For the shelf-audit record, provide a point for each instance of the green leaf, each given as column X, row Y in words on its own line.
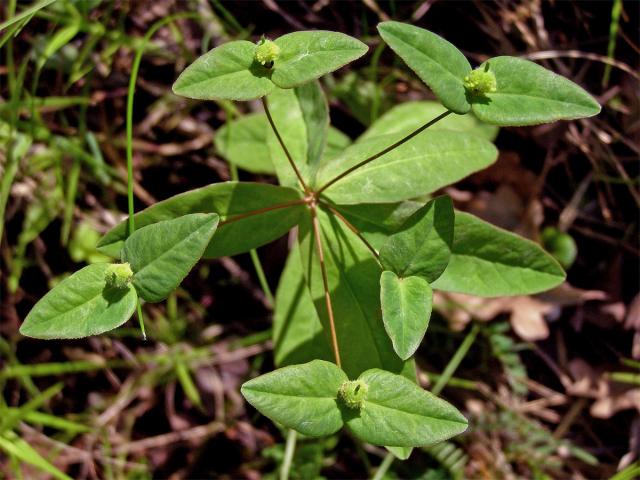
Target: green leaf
column 163, row 253
column 301, row 115
column 226, row 72
column 422, row 247
column 401, row 453
column 80, row 306
column 308, row 55
column 377, row 221
column 353, row 276
column 436, row 61
column 406, row 310
column 409, row 116
column 528, row 94
column 428, row 162
column 490, row 262
column 302, row 397
column 336, row 143
column 397, row 412
column 297, row 331
column 243, row 143
column 251, row 215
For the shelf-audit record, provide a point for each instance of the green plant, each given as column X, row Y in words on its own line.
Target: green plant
column 354, row 300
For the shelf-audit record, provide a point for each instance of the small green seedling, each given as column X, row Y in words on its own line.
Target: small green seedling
column 373, row 243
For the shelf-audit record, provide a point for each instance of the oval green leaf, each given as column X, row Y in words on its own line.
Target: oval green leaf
column 377, row 221
column 302, row 397
column 490, row 262
column 305, row 56
column 297, row 331
column 406, row 310
column 437, row 62
column 79, row 306
column 163, row 253
column 409, row 116
column 251, row 215
column 226, row 72
column 301, row 116
column 528, row 94
column 428, row 162
column 397, row 412
column 243, row 143
column 353, row 276
column 422, row 246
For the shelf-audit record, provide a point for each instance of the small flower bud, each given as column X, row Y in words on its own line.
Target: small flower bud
column 480, row 81
column 354, row 393
column 118, row 275
column 267, row 52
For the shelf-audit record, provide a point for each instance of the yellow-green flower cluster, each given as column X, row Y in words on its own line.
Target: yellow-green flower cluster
column 354, row 393
column 267, row 52
column 480, row 82
column 118, row 275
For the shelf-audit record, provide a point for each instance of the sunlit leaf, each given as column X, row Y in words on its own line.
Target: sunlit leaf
column 301, row 116
column 528, row 94
column 308, row 55
column 397, row 412
column 225, row 72
column 406, row 310
column 353, row 277
column 79, row 306
column 422, row 246
column 163, row 253
column 251, row 215
column 435, row 60
column 243, row 143
column 428, row 162
column 409, row 116
column 302, row 397
column 490, row 262
column 297, row 331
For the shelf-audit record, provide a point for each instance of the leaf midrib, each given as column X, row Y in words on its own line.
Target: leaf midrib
column 252, row 389
column 538, row 97
column 431, row 59
column 404, row 159
column 67, row 312
column 492, row 262
column 224, row 74
column 412, row 414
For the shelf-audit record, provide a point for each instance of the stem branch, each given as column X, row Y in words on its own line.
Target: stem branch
column 325, row 282
column 383, row 152
column 351, row 227
column 384, row 466
column 284, row 147
column 259, row 211
column 288, row 455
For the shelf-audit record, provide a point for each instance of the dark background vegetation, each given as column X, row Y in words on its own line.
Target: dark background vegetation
column 551, row 384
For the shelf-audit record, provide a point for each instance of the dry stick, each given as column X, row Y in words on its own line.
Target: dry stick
column 259, row 211
column 383, row 152
column 325, row 281
column 284, row 147
column 353, row 229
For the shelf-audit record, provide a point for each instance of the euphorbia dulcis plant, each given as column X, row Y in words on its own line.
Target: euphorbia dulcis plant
column 373, row 242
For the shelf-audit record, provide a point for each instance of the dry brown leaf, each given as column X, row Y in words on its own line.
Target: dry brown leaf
column 527, row 318
column 566, row 295
column 633, row 314
column 610, row 405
